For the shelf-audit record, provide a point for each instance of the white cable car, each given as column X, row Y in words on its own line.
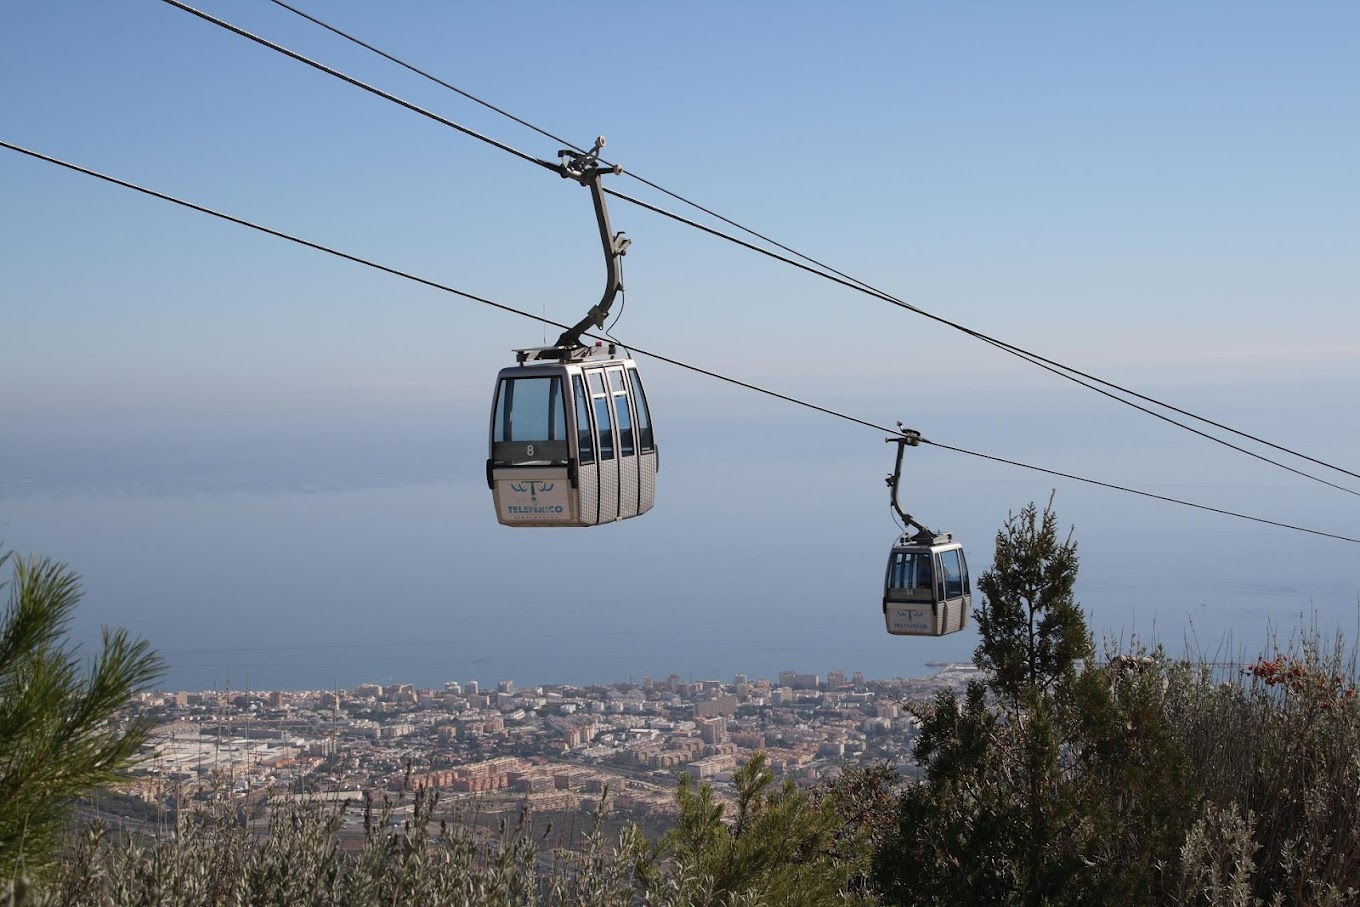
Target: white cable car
column 571, row 440
column 926, row 591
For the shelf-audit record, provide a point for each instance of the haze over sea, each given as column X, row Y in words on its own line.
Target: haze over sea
column 334, row 545
column 268, row 461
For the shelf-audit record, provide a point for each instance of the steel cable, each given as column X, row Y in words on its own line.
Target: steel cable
column 396, row 272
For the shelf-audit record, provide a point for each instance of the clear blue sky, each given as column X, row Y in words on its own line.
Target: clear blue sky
column 1164, row 194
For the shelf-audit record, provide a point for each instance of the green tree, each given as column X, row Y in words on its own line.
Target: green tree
column 58, row 735
column 995, row 820
column 1033, row 639
column 1033, row 634
column 1055, row 780
column 783, row 846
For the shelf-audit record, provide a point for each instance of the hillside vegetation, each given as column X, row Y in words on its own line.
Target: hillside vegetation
column 1065, row 776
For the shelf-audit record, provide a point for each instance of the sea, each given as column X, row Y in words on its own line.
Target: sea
column 322, row 549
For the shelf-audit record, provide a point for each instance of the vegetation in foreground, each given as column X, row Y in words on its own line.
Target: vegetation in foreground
column 58, row 736
column 1059, row 779
column 786, row 846
column 1133, row 779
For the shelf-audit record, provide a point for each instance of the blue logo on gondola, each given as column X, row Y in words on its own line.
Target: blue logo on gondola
column 533, row 486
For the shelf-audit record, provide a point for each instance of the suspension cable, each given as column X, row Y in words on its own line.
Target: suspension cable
column 1057, row 368
column 396, row 272
column 387, row 96
column 1032, row 358
column 435, row 79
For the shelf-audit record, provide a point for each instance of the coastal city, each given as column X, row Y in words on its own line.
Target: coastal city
column 619, row 748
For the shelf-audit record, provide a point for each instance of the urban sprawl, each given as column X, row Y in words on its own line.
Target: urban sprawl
column 540, row 748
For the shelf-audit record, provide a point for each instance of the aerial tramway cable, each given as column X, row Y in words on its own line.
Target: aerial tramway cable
column 1077, row 376
column 396, row 272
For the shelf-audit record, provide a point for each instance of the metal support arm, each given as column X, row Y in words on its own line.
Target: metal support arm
column 908, row 438
column 585, row 170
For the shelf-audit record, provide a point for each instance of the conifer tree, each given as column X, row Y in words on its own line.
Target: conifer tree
column 779, row 847
column 994, row 821
column 58, row 736
column 1033, row 634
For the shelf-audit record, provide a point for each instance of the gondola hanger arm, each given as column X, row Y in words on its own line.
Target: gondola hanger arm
column 585, row 169
column 908, row 438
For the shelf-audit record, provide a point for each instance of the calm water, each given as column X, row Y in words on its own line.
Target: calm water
column 317, row 551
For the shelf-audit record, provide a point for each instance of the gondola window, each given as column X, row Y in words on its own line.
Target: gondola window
column 530, row 423
column 644, row 417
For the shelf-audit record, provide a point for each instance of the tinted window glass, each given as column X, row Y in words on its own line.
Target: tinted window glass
column 596, row 382
column 963, row 562
column 501, row 414
column 952, row 573
column 625, row 422
column 616, row 379
column 644, row 418
column 895, row 571
column 909, row 572
column 529, row 424
column 584, row 442
column 530, row 409
column 602, row 421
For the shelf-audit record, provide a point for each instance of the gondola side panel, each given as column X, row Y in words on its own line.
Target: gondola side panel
column 534, row 497
column 629, row 491
column 609, row 491
column 926, row 619
column 912, row 620
column 646, row 482
column 964, row 608
column 588, row 494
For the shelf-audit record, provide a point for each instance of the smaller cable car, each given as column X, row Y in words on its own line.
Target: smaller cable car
column 571, row 440
column 926, row 591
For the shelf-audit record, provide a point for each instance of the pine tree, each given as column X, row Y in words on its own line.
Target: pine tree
column 58, row 735
column 1033, row 639
column 994, row 820
column 780, row 848
column 1033, row 634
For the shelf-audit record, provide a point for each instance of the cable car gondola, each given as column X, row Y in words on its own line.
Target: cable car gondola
column 571, row 441
column 926, row 590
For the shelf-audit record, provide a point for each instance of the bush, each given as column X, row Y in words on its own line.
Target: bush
column 214, row 858
column 1132, row 780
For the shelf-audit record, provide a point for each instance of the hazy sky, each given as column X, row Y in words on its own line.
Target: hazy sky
column 1164, row 194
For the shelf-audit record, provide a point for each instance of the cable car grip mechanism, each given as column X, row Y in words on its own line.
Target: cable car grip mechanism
column 584, row 167
column 908, row 438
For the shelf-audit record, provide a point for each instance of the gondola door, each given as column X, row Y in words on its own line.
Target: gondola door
column 955, row 592
column 910, row 598
column 530, row 456
column 627, row 452
column 606, row 446
column 587, row 467
column 646, row 443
